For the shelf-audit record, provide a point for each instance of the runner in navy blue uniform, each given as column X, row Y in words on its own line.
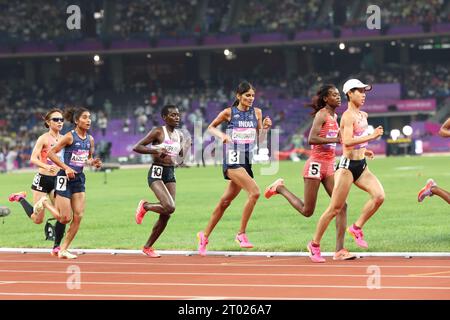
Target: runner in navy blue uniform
column 78, row 148
column 244, row 127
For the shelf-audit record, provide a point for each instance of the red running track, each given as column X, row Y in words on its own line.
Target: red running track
column 101, row 276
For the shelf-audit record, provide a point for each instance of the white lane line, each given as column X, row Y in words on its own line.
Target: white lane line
column 84, row 283
column 200, row 264
column 221, row 274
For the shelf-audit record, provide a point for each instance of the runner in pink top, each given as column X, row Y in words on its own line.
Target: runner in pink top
column 352, row 168
column 44, row 181
column 319, row 168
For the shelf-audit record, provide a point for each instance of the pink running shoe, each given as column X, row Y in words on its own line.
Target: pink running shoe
column 202, row 243
column 426, row 191
column 243, row 241
column 272, row 189
column 140, row 212
column 314, row 252
column 358, row 235
column 16, row 197
column 55, row 251
column 150, row 252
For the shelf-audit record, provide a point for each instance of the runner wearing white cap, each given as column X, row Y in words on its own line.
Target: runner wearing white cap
column 352, row 168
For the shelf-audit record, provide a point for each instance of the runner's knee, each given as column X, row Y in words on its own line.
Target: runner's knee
column 378, row 199
column 254, row 195
column 225, row 202
column 169, row 208
column 334, row 211
column 308, row 211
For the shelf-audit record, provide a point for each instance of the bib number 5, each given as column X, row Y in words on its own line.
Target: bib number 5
column 314, row 170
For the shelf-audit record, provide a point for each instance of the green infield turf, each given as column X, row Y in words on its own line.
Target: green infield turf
column 401, row 224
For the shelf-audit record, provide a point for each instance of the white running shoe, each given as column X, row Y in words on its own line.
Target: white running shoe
column 64, row 254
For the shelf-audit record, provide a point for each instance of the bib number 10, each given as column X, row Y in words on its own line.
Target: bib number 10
column 157, row 172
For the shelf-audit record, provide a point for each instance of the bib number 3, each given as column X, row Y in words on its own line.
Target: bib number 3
column 233, row 157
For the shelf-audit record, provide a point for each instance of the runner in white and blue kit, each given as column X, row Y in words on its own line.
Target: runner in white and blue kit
column 244, row 125
column 168, row 148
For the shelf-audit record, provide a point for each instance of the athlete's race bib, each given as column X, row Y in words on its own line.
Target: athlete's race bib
column 314, row 170
column 61, row 183
column 234, row 157
column 37, row 181
column 157, row 172
column 243, row 135
column 79, row 158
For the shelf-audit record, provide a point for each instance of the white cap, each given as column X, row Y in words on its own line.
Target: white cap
column 355, row 83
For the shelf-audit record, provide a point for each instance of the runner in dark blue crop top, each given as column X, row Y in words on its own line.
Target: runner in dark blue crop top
column 78, row 148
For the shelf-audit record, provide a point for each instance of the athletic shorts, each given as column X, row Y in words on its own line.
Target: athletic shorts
column 157, row 172
column 246, row 166
column 43, row 183
column 318, row 169
column 356, row 167
column 234, row 159
column 67, row 187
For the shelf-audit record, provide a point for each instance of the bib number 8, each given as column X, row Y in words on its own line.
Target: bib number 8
column 233, row 157
column 314, row 170
column 157, row 172
column 61, row 183
column 37, row 181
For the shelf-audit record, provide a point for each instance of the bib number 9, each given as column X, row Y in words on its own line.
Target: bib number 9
column 61, row 183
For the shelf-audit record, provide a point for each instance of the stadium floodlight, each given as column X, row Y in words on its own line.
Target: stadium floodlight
column 395, row 133
column 342, row 46
column 407, row 130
